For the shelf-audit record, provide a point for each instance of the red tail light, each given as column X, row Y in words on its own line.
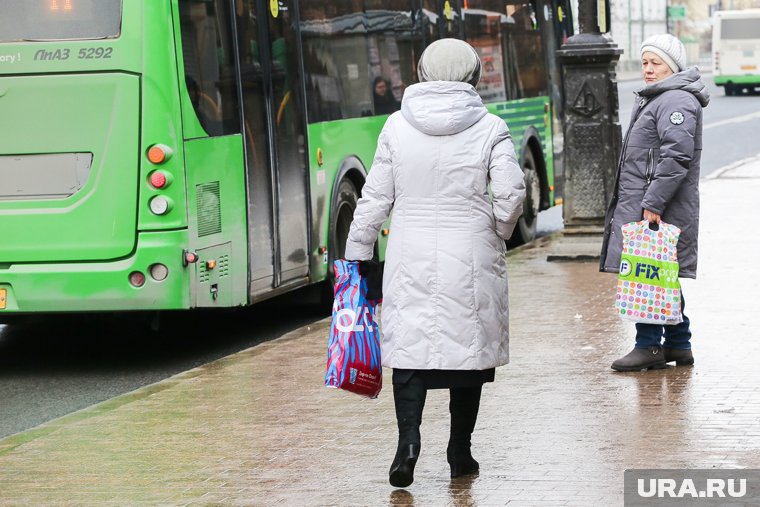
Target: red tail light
column 158, row 179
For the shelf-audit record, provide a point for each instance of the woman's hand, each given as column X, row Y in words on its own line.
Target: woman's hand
column 372, row 272
column 652, row 217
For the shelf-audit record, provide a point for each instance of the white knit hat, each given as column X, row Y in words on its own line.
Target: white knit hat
column 667, row 47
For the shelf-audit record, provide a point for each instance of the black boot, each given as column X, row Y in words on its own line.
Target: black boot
column 463, row 407
column 409, row 399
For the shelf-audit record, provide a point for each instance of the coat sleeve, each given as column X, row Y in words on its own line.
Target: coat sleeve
column 375, row 204
column 507, row 183
column 676, row 127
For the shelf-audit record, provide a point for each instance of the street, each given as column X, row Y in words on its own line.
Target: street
column 56, row 367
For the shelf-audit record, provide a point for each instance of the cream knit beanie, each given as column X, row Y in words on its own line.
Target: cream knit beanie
column 668, row 48
column 449, row 60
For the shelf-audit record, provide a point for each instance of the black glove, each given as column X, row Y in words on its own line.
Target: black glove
column 372, row 272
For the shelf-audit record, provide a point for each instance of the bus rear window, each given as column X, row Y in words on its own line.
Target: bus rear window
column 45, row 20
column 740, row 29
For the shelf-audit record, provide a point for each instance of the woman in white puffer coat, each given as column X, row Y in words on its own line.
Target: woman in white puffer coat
column 445, row 317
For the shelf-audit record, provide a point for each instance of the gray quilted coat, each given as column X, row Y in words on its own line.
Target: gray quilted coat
column 445, row 280
column 659, row 167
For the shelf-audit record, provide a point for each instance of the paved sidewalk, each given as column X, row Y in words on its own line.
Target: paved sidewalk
column 558, row 427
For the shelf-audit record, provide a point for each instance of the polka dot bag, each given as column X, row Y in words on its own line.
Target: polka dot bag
column 648, row 290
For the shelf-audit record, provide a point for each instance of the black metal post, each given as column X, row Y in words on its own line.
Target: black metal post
column 591, row 128
column 591, row 132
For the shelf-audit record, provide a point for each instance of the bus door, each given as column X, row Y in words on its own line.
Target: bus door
column 278, row 205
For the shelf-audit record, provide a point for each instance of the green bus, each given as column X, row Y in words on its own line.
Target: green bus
column 177, row 154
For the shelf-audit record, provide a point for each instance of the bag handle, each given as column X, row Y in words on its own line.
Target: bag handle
column 666, row 228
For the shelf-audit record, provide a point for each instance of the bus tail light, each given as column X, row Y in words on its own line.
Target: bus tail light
column 137, row 279
column 189, row 257
column 158, row 179
column 158, row 272
column 160, row 205
column 159, row 153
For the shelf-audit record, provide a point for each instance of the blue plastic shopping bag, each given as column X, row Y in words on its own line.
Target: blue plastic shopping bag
column 353, row 350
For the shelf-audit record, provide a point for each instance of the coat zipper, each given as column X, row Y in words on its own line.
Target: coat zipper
column 650, row 166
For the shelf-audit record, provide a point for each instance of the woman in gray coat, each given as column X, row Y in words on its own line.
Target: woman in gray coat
column 658, row 180
column 445, row 309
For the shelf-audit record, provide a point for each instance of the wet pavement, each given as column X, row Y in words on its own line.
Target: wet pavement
column 558, row 427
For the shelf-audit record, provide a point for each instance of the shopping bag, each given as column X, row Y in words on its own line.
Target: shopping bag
column 353, row 350
column 648, row 290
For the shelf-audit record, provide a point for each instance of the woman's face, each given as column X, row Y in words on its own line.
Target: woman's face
column 654, row 68
column 381, row 88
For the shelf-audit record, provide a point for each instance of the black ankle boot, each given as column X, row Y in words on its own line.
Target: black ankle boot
column 461, row 462
column 401, row 473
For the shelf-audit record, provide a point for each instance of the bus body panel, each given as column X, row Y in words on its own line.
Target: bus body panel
column 161, row 117
column 217, row 220
column 100, row 286
column 94, row 116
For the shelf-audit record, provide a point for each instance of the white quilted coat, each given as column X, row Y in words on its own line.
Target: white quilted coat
column 445, row 282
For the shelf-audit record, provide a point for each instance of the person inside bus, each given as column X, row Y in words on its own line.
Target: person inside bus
column 666, row 119
column 445, row 308
column 382, row 97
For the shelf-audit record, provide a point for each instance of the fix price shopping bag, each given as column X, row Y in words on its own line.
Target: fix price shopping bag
column 353, row 350
column 648, row 290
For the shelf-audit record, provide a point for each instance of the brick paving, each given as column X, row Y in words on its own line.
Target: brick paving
column 557, row 428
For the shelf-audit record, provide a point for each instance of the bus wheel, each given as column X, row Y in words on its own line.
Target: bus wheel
column 730, row 90
column 526, row 225
column 341, row 217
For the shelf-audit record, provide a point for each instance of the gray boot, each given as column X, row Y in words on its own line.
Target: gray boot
column 680, row 356
column 652, row 358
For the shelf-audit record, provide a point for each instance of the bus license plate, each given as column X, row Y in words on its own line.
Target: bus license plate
column 3, row 293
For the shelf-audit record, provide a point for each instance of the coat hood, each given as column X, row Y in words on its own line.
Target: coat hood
column 688, row 80
column 442, row 108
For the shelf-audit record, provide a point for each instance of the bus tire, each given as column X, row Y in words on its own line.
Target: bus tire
column 526, row 225
column 341, row 216
column 730, row 90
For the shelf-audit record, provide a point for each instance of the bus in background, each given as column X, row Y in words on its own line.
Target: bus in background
column 736, row 50
column 210, row 153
